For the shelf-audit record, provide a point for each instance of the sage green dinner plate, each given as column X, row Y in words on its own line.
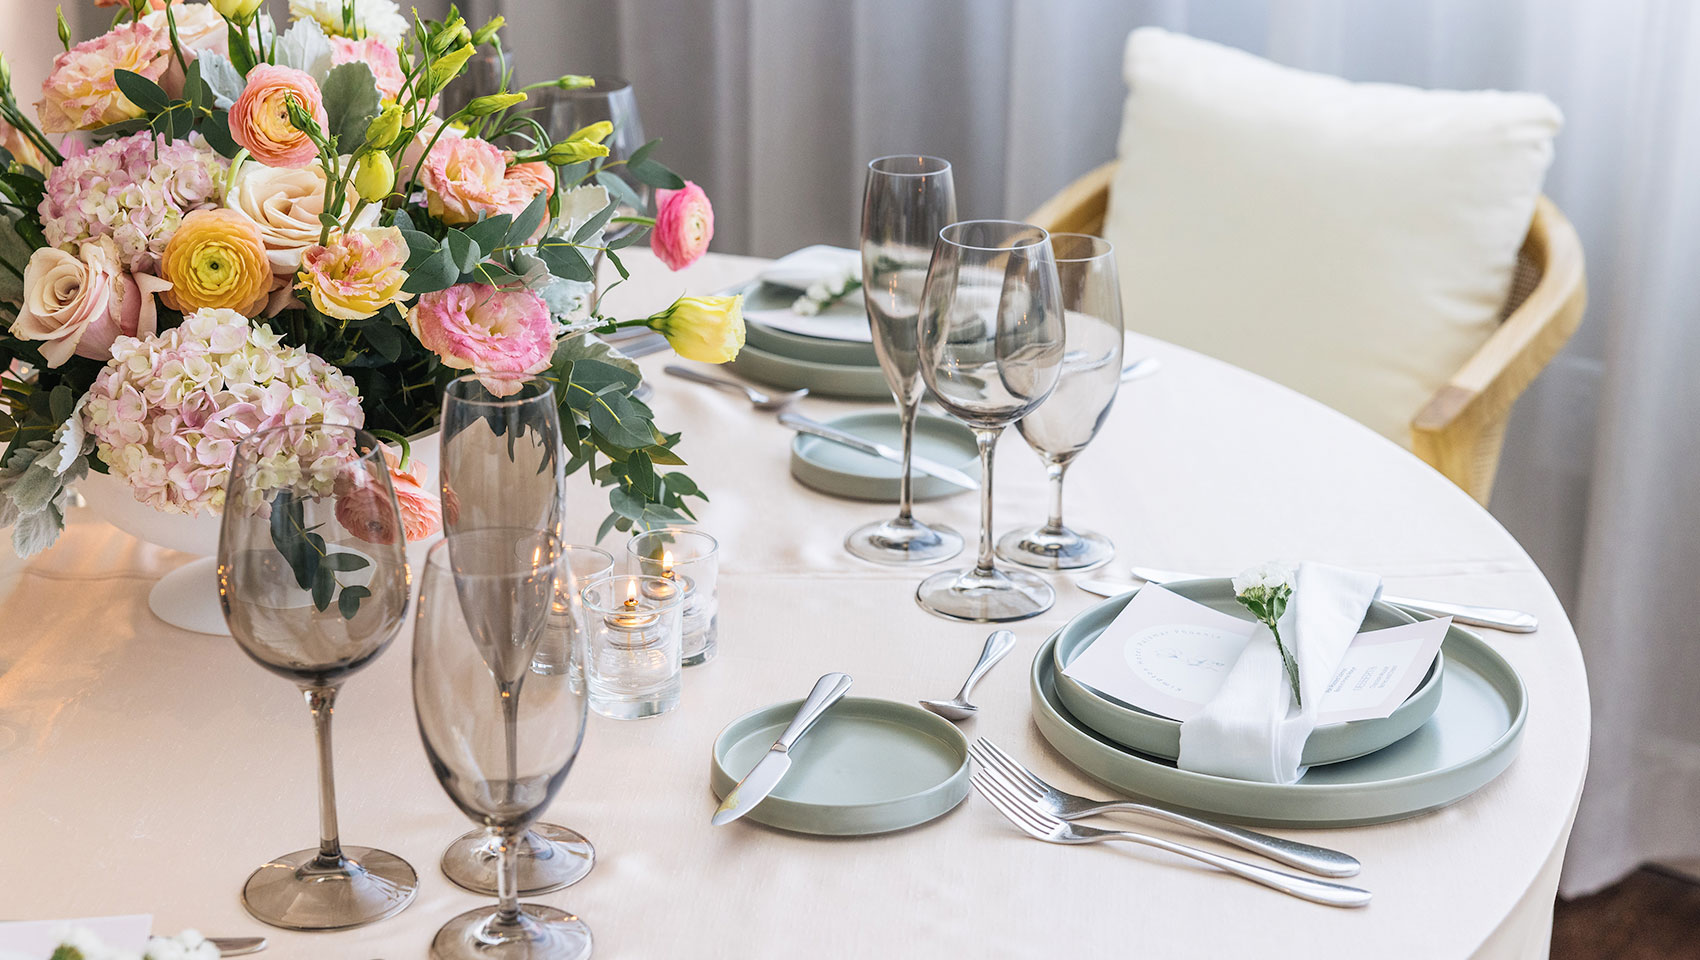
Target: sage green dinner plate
column 842, row 381
column 836, row 469
column 1472, row 737
column 867, row 766
column 760, row 296
column 1161, row 736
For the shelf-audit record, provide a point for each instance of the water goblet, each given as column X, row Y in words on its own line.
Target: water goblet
column 500, row 736
column 312, row 577
column 906, row 200
column 608, row 98
column 991, row 346
column 1061, row 427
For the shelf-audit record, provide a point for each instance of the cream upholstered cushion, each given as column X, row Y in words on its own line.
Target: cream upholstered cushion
column 1353, row 241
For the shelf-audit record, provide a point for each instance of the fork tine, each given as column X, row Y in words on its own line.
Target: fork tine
column 1000, row 768
column 1015, row 812
column 1014, row 765
column 1042, row 821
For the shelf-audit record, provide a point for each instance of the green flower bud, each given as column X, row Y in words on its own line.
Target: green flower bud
column 5, row 74
column 374, row 177
column 384, row 128
column 445, row 37
column 64, row 29
column 486, row 32
column 448, row 66
column 595, row 133
column 574, row 151
column 494, row 103
column 575, row 81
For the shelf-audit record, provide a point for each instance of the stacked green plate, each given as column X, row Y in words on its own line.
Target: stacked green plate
column 846, row 369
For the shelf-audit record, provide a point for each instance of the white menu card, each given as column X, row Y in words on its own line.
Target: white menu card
column 1168, row 655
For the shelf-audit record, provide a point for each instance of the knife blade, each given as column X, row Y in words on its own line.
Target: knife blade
column 928, row 466
column 768, row 771
column 1496, row 618
column 237, row 946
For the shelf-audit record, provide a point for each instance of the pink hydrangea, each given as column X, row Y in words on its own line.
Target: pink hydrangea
column 168, row 410
column 381, row 57
column 131, row 190
column 502, row 336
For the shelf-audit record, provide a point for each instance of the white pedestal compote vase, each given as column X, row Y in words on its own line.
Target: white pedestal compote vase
column 187, row 597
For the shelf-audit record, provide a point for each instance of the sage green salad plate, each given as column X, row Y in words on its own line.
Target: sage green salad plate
column 836, row 469
column 1472, row 737
column 766, row 297
column 840, row 381
column 1160, row 736
column 867, row 766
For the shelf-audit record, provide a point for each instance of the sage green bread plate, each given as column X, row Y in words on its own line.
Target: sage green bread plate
column 760, row 296
column 836, row 469
column 842, row 381
column 867, row 766
column 1472, row 737
column 1149, row 733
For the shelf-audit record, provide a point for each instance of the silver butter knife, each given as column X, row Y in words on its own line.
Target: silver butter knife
column 1511, row 621
column 768, row 771
column 930, row 467
column 237, row 946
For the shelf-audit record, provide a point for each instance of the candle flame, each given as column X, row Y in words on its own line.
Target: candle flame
column 667, row 563
column 631, row 593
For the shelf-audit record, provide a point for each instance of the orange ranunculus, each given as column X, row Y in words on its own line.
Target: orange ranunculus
column 216, row 259
column 259, row 119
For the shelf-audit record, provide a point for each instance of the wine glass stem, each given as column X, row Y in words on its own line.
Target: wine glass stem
column 1054, row 470
column 986, row 440
column 906, row 416
column 507, row 876
column 321, row 701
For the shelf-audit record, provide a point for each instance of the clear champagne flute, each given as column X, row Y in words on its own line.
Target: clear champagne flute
column 500, row 736
column 1061, row 427
column 312, row 576
column 991, row 344
column 905, row 202
column 501, row 468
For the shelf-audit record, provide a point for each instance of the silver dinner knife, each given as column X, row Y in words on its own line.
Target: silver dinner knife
column 930, row 467
column 766, row 774
column 237, row 946
column 1511, row 621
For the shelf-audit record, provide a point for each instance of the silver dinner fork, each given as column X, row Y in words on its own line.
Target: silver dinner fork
column 1066, row 806
column 1042, row 826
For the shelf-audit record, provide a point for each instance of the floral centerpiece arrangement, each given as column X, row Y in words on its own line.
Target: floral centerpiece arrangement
column 244, row 226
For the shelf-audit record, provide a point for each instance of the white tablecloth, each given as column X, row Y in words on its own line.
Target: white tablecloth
column 147, row 769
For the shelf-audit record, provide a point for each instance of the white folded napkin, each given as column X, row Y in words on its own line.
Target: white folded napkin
column 1251, row 730
column 802, row 269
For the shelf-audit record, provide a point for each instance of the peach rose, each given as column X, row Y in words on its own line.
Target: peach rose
column 684, row 224
column 259, row 119
column 77, row 305
column 200, row 29
column 285, row 204
column 216, row 259
column 80, row 92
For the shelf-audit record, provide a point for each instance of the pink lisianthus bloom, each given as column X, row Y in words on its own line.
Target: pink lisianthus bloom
column 502, row 336
column 357, row 274
column 466, row 177
column 364, row 513
column 684, row 224
column 376, row 54
column 80, row 92
column 259, row 119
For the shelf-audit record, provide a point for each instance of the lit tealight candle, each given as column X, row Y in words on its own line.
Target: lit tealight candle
column 630, row 618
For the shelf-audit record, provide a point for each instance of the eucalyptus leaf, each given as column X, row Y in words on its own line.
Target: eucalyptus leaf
column 216, row 128
column 592, row 226
column 462, row 251
column 141, row 91
column 489, row 232
column 528, row 221
column 351, row 100
column 612, row 416
column 222, row 76
column 348, row 604
column 565, row 261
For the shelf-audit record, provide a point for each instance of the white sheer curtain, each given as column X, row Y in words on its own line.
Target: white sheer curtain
column 775, row 105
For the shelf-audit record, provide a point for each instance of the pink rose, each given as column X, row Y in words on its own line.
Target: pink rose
column 80, row 92
column 200, row 30
column 77, row 305
column 502, row 336
column 684, row 224
column 466, row 177
column 376, row 54
column 259, row 119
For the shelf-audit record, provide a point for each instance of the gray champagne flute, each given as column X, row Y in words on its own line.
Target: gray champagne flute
column 1061, row 427
column 905, row 202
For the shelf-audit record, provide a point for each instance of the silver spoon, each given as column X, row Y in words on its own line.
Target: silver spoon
column 998, row 645
column 761, row 401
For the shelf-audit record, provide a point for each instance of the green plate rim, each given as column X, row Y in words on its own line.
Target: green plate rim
column 837, row 483
column 833, row 380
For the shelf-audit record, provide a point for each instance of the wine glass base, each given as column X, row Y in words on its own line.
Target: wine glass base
column 992, row 597
column 297, row 892
column 1042, row 549
column 541, row 933
column 904, row 543
column 550, row 857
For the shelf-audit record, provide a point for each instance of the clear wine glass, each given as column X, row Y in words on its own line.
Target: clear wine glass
column 312, row 576
column 991, row 344
column 906, row 201
column 501, row 468
column 610, row 98
column 500, row 736
column 1061, row 427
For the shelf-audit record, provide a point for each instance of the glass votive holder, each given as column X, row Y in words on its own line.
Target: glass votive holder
column 632, row 629
column 555, row 651
column 687, row 554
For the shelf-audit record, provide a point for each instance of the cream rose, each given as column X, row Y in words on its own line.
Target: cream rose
column 76, row 305
column 285, row 202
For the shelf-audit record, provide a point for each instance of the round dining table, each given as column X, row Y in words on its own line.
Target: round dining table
column 145, row 769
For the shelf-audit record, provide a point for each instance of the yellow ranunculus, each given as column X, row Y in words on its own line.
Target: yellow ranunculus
column 216, row 259
column 374, row 177
column 706, row 329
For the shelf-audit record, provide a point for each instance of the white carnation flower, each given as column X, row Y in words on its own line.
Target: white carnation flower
column 1268, row 576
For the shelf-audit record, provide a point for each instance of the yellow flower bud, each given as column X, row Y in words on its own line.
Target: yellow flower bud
column 574, row 151
column 595, row 133
column 374, row 177
column 494, row 103
column 448, row 66
column 64, row 29
column 705, row 329
column 575, row 81
column 484, row 34
column 384, row 128
column 5, row 74
column 239, row 12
